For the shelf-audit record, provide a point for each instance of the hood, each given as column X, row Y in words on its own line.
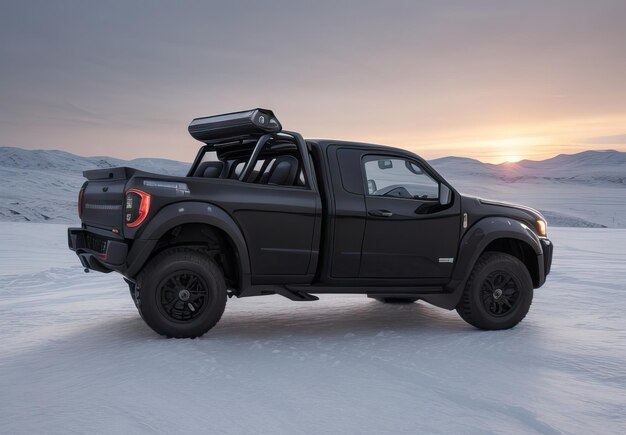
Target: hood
column 535, row 213
column 479, row 208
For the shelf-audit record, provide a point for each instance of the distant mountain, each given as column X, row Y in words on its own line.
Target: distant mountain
column 585, row 159
column 56, row 160
column 463, row 166
column 587, row 189
column 585, row 167
column 42, row 185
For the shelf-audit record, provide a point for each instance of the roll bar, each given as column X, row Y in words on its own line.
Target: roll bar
column 263, row 140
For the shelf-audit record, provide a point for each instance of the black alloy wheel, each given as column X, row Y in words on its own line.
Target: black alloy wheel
column 500, row 293
column 183, row 296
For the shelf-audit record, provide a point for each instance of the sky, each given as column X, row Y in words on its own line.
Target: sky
column 493, row 80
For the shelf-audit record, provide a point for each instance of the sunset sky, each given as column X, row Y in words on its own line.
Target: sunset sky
column 492, row 80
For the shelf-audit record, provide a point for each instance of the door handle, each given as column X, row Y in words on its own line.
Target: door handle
column 381, row 213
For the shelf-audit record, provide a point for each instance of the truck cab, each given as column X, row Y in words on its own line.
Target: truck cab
column 264, row 211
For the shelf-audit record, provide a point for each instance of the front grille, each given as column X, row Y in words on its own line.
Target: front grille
column 95, row 243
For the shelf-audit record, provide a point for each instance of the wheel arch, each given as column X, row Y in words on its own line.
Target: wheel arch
column 500, row 234
column 519, row 249
column 172, row 226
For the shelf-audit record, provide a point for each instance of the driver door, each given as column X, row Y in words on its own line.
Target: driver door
column 408, row 234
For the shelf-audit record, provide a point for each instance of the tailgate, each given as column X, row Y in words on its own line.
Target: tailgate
column 103, row 197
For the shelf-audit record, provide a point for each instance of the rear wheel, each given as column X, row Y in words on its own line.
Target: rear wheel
column 182, row 293
column 134, row 294
column 498, row 293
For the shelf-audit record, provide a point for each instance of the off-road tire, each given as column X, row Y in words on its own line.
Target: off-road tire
column 134, row 293
column 476, row 305
column 151, row 283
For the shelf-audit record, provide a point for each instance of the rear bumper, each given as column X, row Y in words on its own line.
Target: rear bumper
column 97, row 252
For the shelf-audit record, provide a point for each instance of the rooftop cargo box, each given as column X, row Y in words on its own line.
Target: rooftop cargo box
column 236, row 125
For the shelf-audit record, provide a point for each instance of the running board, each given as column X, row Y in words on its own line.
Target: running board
column 296, row 295
column 388, row 291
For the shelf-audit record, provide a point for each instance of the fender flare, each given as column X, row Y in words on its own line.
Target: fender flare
column 188, row 212
column 485, row 231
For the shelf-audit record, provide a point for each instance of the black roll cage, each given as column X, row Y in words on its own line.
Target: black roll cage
column 261, row 141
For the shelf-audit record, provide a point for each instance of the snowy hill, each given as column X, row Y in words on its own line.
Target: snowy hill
column 55, row 160
column 585, row 167
column 42, row 185
column 587, row 189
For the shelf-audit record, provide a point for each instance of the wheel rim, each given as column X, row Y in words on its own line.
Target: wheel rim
column 183, row 296
column 500, row 293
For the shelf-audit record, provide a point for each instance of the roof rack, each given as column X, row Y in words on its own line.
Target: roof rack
column 232, row 126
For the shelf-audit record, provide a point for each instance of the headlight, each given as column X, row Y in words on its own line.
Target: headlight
column 542, row 228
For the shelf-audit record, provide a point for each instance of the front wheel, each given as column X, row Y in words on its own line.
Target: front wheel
column 498, row 293
column 182, row 293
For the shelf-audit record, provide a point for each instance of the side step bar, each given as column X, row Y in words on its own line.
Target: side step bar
column 296, row 295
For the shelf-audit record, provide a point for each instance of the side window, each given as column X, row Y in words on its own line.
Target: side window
column 398, row 178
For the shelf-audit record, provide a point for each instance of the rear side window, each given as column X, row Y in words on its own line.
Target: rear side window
column 398, row 178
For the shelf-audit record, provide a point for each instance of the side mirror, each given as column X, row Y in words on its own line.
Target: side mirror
column 385, row 164
column 445, row 194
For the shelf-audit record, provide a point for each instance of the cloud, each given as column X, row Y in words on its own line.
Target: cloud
column 618, row 139
column 120, row 78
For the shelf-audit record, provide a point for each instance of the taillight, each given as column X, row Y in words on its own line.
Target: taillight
column 81, row 195
column 137, row 207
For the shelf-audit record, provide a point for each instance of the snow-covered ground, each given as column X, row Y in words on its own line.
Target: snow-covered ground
column 75, row 357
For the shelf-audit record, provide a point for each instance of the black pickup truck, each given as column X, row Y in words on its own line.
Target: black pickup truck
column 264, row 211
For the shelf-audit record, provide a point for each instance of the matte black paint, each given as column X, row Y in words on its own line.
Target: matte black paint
column 324, row 237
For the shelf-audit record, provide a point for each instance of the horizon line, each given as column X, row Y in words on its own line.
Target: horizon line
column 608, row 150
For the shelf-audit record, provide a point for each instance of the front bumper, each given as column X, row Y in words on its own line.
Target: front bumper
column 547, row 247
column 97, row 252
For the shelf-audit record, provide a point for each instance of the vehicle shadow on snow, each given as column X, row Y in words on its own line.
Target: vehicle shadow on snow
column 363, row 318
column 349, row 320
column 305, row 320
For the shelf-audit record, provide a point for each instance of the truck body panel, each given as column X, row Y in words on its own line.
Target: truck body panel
column 283, row 215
